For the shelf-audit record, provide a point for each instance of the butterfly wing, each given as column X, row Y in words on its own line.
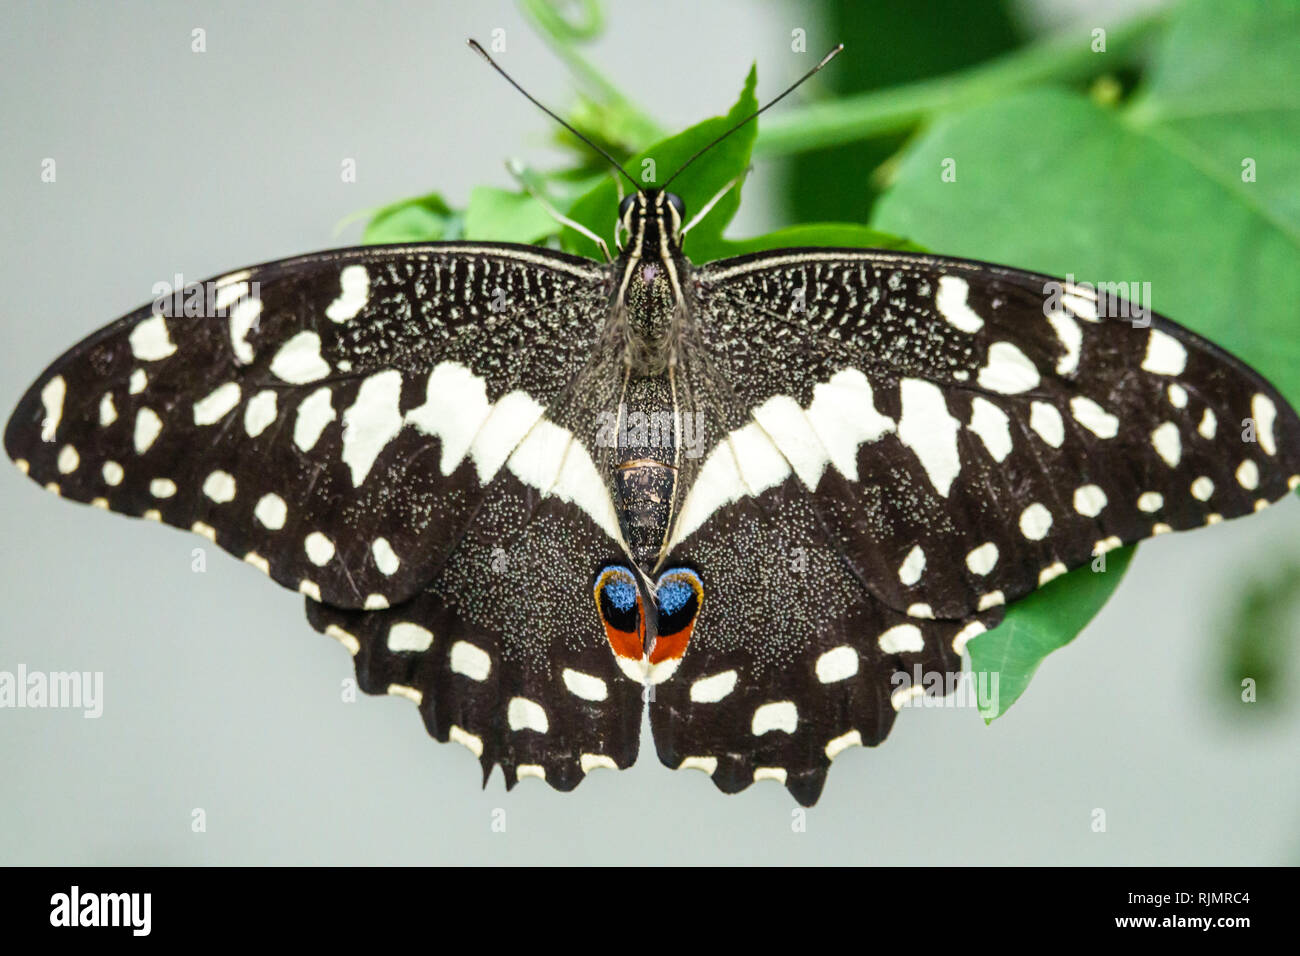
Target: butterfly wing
column 387, row 430
column 908, row 443
column 967, row 432
column 335, row 423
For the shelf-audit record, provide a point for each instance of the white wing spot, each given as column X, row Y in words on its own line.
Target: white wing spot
column 386, row 559
column 1165, row 354
column 586, row 686
column 1167, row 443
column 257, row 561
column 913, row 566
column 150, row 341
column 271, row 511
column 525, row 714
column 1248, row 475
column 1080, row 303
column 312, row 590
column 1264, row 412
column 1107, row 544
column 929, row 429
column 259, row 413
column 218, row 403
column 162, row 487
column 901, row 639
column 1050, row 573
column 1071, row 336
column 950, row 300
column 590, row 762
column 710, row 690
column 471, row 661
column 374, row 602
column 1008, row 370
column 107, row 410
column 1035, row 522
column 1151, row 501
column 372, row 422
column 991, row 424
column 1093, row 417
column 837, row 664
column 319, row 548
column 992, row 599
column 1202, row 488
column 706, row 764
column 1209, row 425
column 410, row 693
column 355, row 283
column 843, row 742
column 1046, row 421
column 220, row 487
column 770, row 773
column 963, row 637
column 471, row 742
column 299, row 361
column 68, row 460
column 242, row 319
column 147, row 427
column 983, row 559
column 405, row 636
column 1177, row 395
column 113, row 473
column 920, row 610
column 1089, row 500
column 138, row 382
column 52, row 395
column 333, row 630
column 204, row 530
column 781, row 715
column 314, row 414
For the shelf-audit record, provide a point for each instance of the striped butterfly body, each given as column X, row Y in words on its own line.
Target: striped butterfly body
column 535, row 494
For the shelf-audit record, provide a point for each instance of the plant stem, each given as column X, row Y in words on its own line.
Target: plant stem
column 1065, row 58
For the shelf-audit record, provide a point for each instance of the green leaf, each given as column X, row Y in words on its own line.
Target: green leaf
column 1050, row 181
column 420, row 219
column 1258, row 639
column 498, row 215
column 1035, row 626
column 598, row 209
column 1149, row 192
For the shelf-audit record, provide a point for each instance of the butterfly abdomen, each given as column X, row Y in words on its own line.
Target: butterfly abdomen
column 645, row 472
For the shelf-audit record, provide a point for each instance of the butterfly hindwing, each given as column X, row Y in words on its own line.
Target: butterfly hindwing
column 333, row 419
column 967, row 432
column 791, row 660
column 504, row 651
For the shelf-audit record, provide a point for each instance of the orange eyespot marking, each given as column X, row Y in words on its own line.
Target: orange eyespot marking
column 618, row 601
column 680, row 595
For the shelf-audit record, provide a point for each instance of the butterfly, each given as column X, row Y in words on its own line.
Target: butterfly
column 537, row 494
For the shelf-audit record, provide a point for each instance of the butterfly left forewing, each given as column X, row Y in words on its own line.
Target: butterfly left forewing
column 333, row 419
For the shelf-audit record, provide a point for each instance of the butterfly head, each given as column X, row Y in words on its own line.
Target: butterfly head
column 650, row 224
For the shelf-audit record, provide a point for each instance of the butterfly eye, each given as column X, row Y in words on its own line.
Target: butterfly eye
column 675, row 201
column 625, row 205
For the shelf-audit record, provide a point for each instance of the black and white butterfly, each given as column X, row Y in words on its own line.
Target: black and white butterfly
column 535, row 493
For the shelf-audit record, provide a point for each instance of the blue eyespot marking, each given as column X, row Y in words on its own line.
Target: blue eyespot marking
column 676, row 588
column 619, row 587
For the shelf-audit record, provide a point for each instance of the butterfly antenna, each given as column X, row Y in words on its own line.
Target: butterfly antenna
column 752, row 116
column 474, row 45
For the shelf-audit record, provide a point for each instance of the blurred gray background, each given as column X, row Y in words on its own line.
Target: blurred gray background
column 219, row 696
